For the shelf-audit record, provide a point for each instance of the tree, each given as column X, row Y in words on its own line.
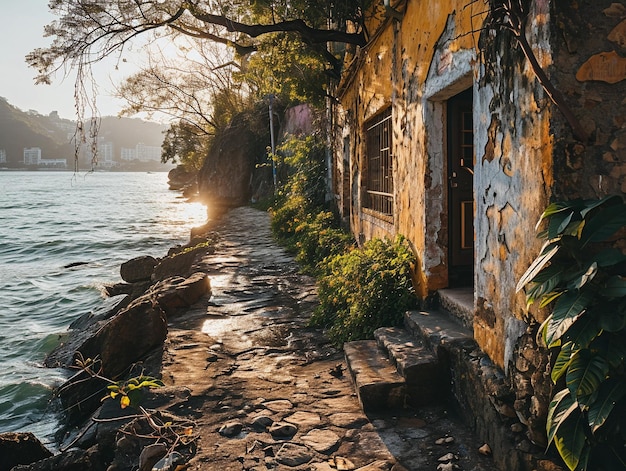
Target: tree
column 86, row 31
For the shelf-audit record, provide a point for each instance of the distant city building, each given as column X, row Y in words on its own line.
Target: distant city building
column 3, row 156
column 142, row 153
column 148, row 153
column 53, row 162
column 128, row 154
column 32, row 155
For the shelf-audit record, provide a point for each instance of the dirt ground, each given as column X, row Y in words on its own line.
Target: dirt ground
column 267, row 392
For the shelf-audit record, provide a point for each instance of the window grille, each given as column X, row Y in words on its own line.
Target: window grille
column 379, row 165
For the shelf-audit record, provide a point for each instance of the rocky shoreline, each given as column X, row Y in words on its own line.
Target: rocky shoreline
column 123, row 342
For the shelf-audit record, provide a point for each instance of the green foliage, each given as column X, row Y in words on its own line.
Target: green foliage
column 366, row 288
column 131, row 390
column 582, row 276
column 299, row 219
column 182, row 143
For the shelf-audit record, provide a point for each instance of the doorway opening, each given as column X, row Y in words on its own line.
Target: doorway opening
column 460, row 164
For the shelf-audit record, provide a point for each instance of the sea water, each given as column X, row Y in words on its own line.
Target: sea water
column 62, row 237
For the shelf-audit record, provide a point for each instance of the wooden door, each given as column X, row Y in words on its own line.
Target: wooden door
column 460, row 134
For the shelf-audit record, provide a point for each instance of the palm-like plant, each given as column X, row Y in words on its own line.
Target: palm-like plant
column 581, row 274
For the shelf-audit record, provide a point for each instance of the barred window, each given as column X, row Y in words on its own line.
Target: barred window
column 379, row 165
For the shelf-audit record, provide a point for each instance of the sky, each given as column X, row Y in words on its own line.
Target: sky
column 22, row 31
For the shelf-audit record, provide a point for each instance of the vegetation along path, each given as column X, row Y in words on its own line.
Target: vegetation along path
column 268, row 392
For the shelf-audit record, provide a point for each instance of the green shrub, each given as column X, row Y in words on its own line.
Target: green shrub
column 582, row 278
column 364, row 289
column 319, row 238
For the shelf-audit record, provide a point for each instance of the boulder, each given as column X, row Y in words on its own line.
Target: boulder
column 71, row 460
column 20, row 448
column 177, row 264
column 179, row 178
column 232, row 162
column 127, row 337
column 138, row 269
column 176, row 292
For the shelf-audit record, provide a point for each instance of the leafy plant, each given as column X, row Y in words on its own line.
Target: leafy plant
column 130, row 391
column 581, row 274
column 364, row 289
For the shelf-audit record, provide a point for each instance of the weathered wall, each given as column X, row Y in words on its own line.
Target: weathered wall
column 592, row 60
column 513, row 177
column 392, row 70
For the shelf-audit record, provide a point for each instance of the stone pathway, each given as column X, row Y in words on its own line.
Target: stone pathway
column 268, row 392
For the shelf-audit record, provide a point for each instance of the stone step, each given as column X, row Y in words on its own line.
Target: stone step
column 439, row 331
column 415, row 362
column 459, row 302
column 377, row 382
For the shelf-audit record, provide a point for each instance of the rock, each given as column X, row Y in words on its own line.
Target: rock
column 262, row 422
column 322, row 441
column 347, row 420
column 180, row 263
column 231, row 165
column 280, row 430
column 20, row 448
column 71, row 460
column 169, row 463
column 180, row 178
column 176, row 292
column 279, row 405
column 304, row 419
column 138, row 269
column 341, row 464
column 150, row 455
column 293, row 455
column 517, row 428
column 447, row 457
column 231, row 429
column 127, row 337
column 485, row 450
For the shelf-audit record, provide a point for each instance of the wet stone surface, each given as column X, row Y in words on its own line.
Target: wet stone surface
column 263, row 387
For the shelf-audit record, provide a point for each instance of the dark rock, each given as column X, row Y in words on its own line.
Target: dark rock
column 178, row 264
column 231, row 164
column 127, row 337
column 176, row 292
column 20, row 448
column 283, row 430
column 138, row 269
column 231, row 429
column 72, row 460
column 180, row 178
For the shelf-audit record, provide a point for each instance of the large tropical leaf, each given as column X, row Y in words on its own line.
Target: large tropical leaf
column 604, row 224
column 563, row 359
column 583, row 276
column 586, row 372
column 561, row 407
column 589, row 205
column 544, row 282
column 567, row 310
column 548, row 251
column 571, row 440
column 610, row 393
column 583, row 331
column 554, row 208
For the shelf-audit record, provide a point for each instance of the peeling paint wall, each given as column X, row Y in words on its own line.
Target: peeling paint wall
column 525, row 151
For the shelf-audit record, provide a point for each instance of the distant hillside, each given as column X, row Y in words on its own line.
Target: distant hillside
column 20, row 129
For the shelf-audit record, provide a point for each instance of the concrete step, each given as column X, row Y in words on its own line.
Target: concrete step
column 415, row 362
column 377, row 382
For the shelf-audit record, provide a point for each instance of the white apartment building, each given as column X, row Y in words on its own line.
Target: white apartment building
column 148, row 153
column 32, row 155
column 128, row 153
